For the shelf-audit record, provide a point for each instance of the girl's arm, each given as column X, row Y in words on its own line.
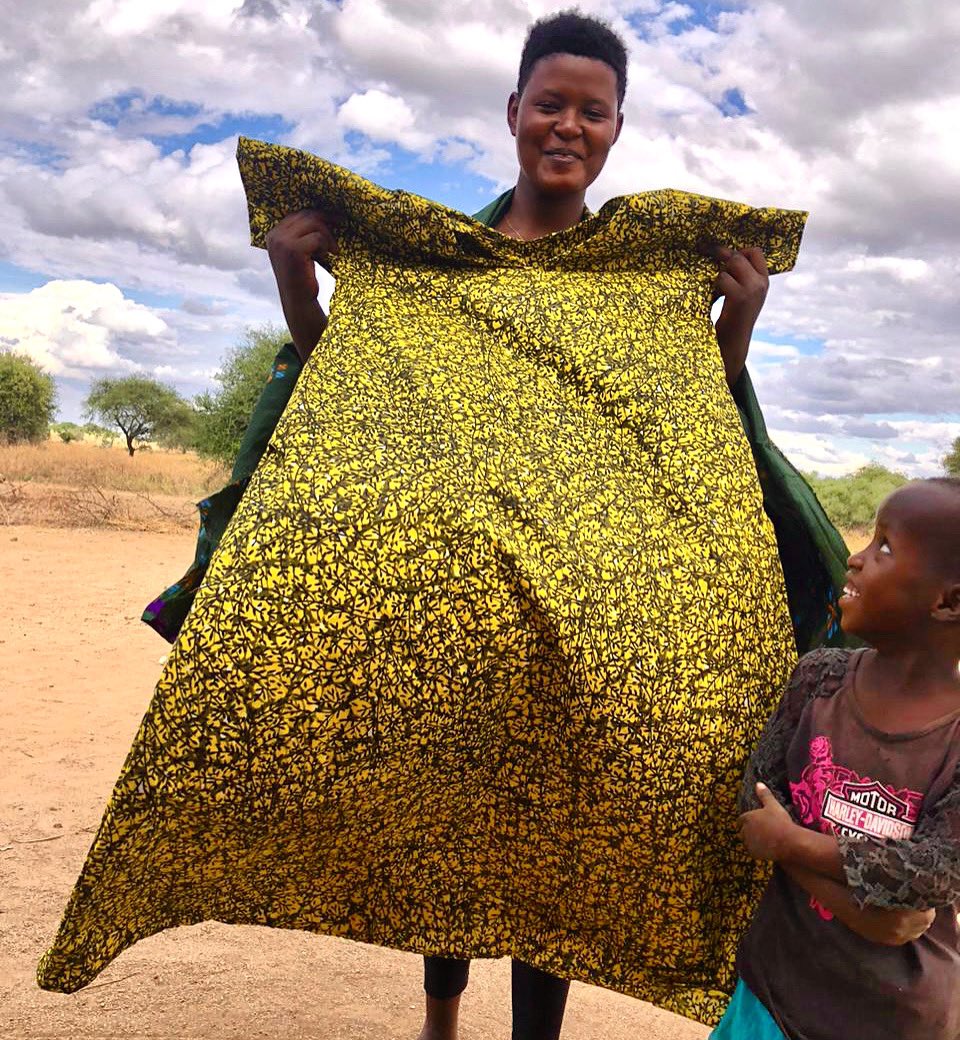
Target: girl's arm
column 770, row 833
column 917, row 873
column 887, row 927
column 817, row 673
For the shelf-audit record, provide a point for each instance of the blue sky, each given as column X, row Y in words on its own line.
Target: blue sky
column 126, row 246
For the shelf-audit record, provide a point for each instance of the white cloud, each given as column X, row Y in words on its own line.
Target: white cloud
column 76, row 328
column 815, row 453
column 902, row 268
column 383, row 117
column 764, row 352
column 852, row 114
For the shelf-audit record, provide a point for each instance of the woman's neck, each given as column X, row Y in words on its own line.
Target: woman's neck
column 533, row 215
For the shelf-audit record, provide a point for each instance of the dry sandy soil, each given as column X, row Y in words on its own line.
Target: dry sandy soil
column 77, row 670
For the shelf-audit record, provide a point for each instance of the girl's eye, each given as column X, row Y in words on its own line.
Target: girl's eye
column 885, row 547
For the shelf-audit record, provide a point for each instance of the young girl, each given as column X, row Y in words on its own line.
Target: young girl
column 857, row 789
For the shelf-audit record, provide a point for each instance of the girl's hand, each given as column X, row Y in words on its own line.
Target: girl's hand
column 890, row 927
column 766, row 832
column 742, row 282
column 294, row 246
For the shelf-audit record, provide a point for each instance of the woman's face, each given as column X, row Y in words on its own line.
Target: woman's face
column 565, row 122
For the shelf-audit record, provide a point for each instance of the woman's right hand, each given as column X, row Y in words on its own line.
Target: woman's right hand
column 294, row 245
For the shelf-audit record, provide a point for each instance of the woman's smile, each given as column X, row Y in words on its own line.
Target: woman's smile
column 563, row 155
column 565, row 122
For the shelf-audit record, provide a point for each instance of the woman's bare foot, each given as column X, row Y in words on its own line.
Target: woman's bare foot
column 441, row 1020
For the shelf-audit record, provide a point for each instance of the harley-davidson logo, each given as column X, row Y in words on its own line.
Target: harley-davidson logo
column 870, row 809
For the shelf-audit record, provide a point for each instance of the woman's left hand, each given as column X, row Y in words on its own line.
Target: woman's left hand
column 766, row 832
column 742, row 282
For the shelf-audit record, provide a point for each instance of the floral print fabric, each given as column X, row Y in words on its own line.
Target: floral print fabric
column 478, row 661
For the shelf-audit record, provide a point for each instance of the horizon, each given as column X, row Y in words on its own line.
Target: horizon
column 127, row 249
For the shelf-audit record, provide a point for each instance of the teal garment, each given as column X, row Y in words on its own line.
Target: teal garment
column 746, row 1019
column 273, row 400
column 168, row 611
column 493, row 212
column 812, row 552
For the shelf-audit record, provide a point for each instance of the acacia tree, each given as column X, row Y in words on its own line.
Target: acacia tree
column 951, row 461
column 143, row 409
column 28, row 399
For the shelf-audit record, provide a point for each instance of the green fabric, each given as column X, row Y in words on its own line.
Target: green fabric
column 812, row 552
column 273, row 400
column 169, row 610
column 493, row 212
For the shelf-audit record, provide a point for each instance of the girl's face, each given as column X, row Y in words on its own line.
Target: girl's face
column 565, row 122
column 892, row 585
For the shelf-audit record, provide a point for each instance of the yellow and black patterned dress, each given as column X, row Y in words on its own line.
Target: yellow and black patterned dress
column 477, row 664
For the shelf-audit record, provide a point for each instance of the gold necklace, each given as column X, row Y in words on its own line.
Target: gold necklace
column 516, row 233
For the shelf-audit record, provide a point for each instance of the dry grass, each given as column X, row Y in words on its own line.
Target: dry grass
column 857, row 538
column 85, row 465
column 84, row 485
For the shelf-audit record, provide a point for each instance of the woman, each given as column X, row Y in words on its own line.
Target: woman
column 477, row 662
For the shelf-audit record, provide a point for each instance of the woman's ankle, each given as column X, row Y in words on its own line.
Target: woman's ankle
column 442, row 1018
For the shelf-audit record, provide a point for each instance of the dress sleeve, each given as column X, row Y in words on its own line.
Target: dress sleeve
column 818, row 674
column 918, row 873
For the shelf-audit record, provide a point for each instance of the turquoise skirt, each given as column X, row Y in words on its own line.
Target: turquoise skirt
column 746, row 1019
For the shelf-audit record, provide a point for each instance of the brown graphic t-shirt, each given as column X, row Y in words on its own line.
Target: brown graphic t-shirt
column 893, row 802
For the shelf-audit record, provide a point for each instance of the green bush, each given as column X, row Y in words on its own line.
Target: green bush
column 67, row 431
column 951, row 461
column 224, row 414
column 28, row 399
column 852, row 500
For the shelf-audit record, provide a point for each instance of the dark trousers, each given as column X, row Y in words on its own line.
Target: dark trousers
column 539, row 999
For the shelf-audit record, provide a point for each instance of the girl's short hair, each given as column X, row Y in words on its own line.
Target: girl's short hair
column 570, row 32
column 948, row 555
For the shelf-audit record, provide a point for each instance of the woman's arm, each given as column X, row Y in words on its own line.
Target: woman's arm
column 294, row 246
column 743, row 282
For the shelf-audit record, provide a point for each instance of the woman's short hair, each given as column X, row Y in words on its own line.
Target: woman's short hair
column 570, row 32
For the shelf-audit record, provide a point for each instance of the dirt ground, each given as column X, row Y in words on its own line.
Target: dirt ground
column 77, row 670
